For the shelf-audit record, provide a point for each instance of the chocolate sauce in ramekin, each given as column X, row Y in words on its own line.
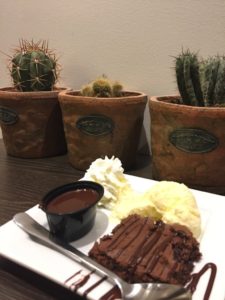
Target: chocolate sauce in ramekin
column 72, row 201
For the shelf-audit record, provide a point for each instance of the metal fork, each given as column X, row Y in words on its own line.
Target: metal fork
column 137, row 291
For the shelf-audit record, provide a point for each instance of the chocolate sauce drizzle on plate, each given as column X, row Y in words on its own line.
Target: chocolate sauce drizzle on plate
column 192, row 285
column 80, row 280
column 114, row 292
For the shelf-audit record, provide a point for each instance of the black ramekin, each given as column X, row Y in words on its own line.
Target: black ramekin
column 71, row 226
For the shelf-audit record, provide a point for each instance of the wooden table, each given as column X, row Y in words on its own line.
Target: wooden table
column 23, row 183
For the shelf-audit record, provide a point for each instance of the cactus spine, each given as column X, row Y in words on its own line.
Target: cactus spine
column 103, row 88
column 34, row 67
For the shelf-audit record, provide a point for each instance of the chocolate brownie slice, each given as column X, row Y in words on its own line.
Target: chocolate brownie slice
column 141, row 250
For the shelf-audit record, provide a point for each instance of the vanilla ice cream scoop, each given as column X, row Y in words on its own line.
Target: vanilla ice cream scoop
column 176, row 204
column 109, row 173
column 132, row 202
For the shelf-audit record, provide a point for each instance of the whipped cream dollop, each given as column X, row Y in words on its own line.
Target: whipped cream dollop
column 109, row 173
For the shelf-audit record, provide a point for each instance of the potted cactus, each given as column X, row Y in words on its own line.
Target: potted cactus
column 30, row 114
column 187, row 131
column 102, row 119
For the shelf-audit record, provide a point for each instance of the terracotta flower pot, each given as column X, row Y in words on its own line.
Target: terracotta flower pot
column 31, row 123
column 188, row 143
column 96, row 127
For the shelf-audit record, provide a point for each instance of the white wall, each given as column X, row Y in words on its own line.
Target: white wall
column 129, row 40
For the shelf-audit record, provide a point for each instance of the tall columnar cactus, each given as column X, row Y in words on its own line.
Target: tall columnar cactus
column 219, row 91
column 188, row 78
column 210, row 70
column 103, row 88
column 201, row 82
column 34, row 67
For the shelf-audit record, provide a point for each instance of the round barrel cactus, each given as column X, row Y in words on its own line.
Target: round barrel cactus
column 34, row 67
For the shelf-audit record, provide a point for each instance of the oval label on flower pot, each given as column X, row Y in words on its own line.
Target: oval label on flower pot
column 8, row 116
column 193, row 140
column 95, row 125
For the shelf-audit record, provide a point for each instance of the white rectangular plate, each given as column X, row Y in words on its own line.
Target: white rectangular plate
column 18, row 247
